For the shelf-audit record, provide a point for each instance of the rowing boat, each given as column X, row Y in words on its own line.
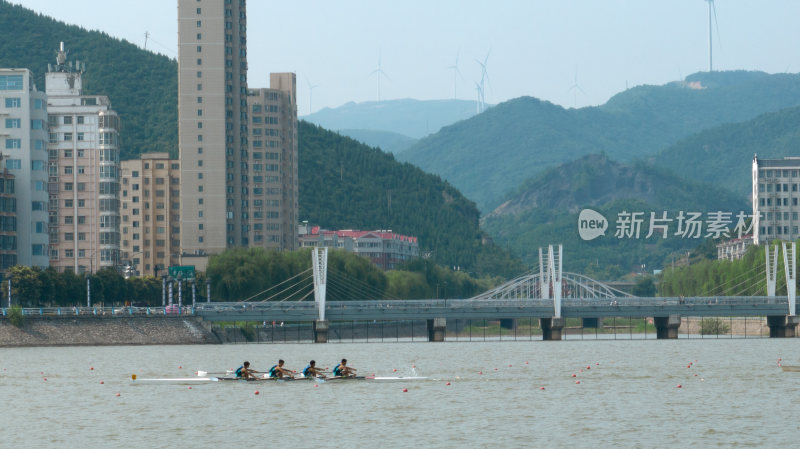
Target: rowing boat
column 195, row 380
column 793, row 368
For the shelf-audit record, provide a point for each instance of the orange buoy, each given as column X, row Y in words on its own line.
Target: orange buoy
column 405, row 390
column 588, row 367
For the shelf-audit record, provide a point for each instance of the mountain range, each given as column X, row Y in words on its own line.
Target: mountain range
column 491, row 154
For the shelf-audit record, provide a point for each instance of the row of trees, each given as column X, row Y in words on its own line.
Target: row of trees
column 252, row 274
column 270, row 275
column 36, row 287
column 743, row 277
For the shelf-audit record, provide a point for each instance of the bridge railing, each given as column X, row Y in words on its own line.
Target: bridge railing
column 102, row 311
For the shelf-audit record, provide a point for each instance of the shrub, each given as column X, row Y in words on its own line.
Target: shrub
column 714, row 326
column 16, row 317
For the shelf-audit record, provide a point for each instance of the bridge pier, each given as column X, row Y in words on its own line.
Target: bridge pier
column 437, row 328
column 592, row 323
column 667, row 326
column 321, row 331
column 551, row 328
column 782, row 326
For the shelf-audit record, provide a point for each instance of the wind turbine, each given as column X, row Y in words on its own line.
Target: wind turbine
column 712, row 9
column 378, row 72
column 456, row 71
column 479, row 102
column 575, row 88
column 484, row 78
column 310, row 94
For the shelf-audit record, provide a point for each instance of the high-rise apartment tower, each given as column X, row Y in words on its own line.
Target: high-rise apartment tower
column 84, row 172
column 212, row 124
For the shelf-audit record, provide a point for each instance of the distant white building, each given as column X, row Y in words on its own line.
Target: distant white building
column 23, row 141
column 775, row 199
column 734, row 249
column 384, row 248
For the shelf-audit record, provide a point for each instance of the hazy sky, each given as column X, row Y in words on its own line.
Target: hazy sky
column 535, row 47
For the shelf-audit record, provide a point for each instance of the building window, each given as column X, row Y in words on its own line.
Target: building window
column 13, row 102
column 67, row 137
column 199, row 23
column 13, row 144
column 13, row 123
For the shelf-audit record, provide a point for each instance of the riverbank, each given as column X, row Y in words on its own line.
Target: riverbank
column 96, row 331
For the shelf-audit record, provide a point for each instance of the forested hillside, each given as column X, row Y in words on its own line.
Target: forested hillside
column 545, row 211
column 348, row 185
column 723, row 155
column 142, row 86
column 492, row 153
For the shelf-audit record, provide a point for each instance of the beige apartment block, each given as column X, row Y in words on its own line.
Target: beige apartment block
column 273, row 164
column 212, row 124
column 83, row 169
column 150, row 214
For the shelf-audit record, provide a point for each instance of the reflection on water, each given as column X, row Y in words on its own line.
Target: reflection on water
column 501, row 394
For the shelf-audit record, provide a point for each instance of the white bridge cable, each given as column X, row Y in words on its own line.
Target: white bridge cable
column 276, row 285
column 753, row 275
column 756, row 272
column 304, row 283
column 360, row 286
column 341, row 287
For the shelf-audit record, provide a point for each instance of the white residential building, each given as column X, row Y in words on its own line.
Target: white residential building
column 775, row 199
column 23, row 141
column 84, row 173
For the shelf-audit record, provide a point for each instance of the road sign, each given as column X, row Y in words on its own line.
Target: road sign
column 183, row 272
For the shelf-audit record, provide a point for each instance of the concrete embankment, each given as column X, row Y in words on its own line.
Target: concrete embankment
column 96, row 331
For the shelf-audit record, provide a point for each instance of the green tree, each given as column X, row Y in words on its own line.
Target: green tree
column 645, row 287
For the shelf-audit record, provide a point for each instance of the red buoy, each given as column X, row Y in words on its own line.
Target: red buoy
column 480, row 372
column 190, row 388
column 405, row 390
column 316, row 385
column 256, row 392
column 541, row 388
column 679, row 386
column 117, row 394
column 91, row 369
column 577, row 382
column 101, row 382
column 45, row 379
column 180, row 367
column 394, row 370
column 574, row 375
column 448, row 383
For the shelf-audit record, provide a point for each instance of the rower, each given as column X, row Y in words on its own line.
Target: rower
column 312, row 371
column 342, row 370
column 244, row 371
column 278, row 371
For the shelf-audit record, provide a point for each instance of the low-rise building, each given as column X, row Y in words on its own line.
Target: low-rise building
column 734, row 249
column 384, row 248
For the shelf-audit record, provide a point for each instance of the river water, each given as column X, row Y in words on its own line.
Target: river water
column 732, row 394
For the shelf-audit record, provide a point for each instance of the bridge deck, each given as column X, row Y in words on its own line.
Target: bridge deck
column 719, row 306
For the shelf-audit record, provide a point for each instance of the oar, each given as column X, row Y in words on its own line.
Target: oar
column 206, row 373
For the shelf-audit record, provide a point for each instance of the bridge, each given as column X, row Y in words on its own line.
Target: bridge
column 549, row 295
